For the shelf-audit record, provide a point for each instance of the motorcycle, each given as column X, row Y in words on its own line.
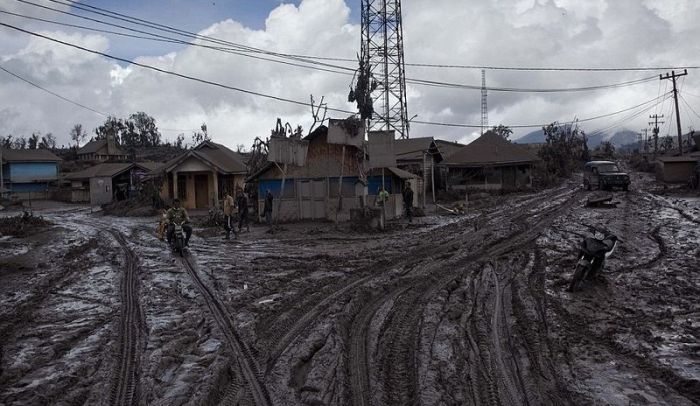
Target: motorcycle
column 178, row 242
column 592, row 257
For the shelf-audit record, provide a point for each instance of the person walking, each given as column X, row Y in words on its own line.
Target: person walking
column 267, row 209
column 228, row 214
column 408, row 201
column 382, row 196
column 243, row 211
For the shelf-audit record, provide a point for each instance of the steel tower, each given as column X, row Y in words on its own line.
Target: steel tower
column 382, row 55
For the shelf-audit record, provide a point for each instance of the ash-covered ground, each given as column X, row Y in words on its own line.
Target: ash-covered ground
column 450, row 310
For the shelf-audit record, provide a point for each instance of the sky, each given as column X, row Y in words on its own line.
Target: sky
column 502, row 33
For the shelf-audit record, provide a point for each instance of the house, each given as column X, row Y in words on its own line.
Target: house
column 420, row 156
column 491, row 163
column 677, row 169
column 28, row 173
column 314, row 191
column 105, row 182
column 200, row 176
column 102, row 150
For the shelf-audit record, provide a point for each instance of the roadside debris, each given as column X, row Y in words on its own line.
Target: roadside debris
column 22, row 224
column 602, row 202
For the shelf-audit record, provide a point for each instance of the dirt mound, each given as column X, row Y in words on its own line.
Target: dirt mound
column 137, row 207
column 23, row 225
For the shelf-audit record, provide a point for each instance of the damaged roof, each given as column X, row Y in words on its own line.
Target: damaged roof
column 490, row 149
column 409, row 149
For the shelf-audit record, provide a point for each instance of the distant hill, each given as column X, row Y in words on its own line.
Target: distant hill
column 622, row 137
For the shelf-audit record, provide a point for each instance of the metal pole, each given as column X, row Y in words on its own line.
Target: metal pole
column 678, row 115
column 2, row 176
column 340, row 185
column 386, row 66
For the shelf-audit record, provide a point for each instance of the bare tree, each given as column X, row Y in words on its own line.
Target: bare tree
column 33, row 141
column 48, row 141
column 77, row 134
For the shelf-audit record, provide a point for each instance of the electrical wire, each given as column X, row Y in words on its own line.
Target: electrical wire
column 277, row 98
column 52, row 93
column 345, row 71
column 689, row 106
column 102, row 11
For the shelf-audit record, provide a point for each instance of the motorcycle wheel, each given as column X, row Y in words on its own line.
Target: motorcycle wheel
column 577, row 278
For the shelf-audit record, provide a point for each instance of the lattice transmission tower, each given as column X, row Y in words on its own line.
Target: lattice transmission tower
column 383, row 60
column 484, row 104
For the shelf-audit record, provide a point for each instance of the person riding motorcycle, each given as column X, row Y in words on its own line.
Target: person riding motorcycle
column 178, row 214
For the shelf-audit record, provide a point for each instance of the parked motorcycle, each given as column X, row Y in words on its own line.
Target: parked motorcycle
column 178, row 241
column 592, row 257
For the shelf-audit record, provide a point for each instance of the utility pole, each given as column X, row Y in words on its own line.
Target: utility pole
column 673, row 75
column 644, row 136
column 484, row 104
column 655, row 130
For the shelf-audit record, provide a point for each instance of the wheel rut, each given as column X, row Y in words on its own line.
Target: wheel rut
column 124, row 388
column 245, row 359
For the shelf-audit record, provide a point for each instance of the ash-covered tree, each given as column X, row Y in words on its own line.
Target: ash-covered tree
column 606, row 150
column 19, row 143
column 200, row 136
column 112, row 125
column 48, row 141
column 502, row 131
column 77, row 134
column 33, row 141
column 143, row 131
column 563, row 150
column 180, row 141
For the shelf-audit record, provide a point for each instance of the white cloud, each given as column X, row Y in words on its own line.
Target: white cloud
column 596, row 33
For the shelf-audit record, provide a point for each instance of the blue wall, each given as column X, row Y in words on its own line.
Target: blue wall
column 31, row 171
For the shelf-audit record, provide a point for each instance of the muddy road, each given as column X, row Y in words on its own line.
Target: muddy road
column 450, row 310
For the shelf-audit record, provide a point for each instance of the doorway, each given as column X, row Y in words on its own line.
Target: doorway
column 201, row 191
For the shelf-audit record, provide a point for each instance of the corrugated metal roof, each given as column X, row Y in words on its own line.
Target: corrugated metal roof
column 94, row 146
column 107, row 170
column 217, row 155
column 29, row 155
column 412, row 148
column 490, row 149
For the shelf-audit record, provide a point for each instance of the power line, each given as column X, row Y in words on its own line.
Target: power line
column 345, row 71
column 277, row 98
column 540, row 125
column 138, row 21
column 52, row 93
column 688, row 104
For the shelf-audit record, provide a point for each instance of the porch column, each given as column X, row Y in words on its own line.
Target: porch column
column 215, row 179
column 174, row 196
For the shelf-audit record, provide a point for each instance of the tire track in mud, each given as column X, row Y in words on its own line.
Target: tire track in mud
column 358, row 360
column 245, row 360
column 124, row 389
column 400, row 365
column 304, row 321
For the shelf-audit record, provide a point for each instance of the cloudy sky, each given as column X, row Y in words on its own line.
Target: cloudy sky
column 503, row 33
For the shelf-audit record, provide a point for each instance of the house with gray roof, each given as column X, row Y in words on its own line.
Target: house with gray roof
column 490, row 163
column 200, row 177
column 105, row 182
column 102, row 150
